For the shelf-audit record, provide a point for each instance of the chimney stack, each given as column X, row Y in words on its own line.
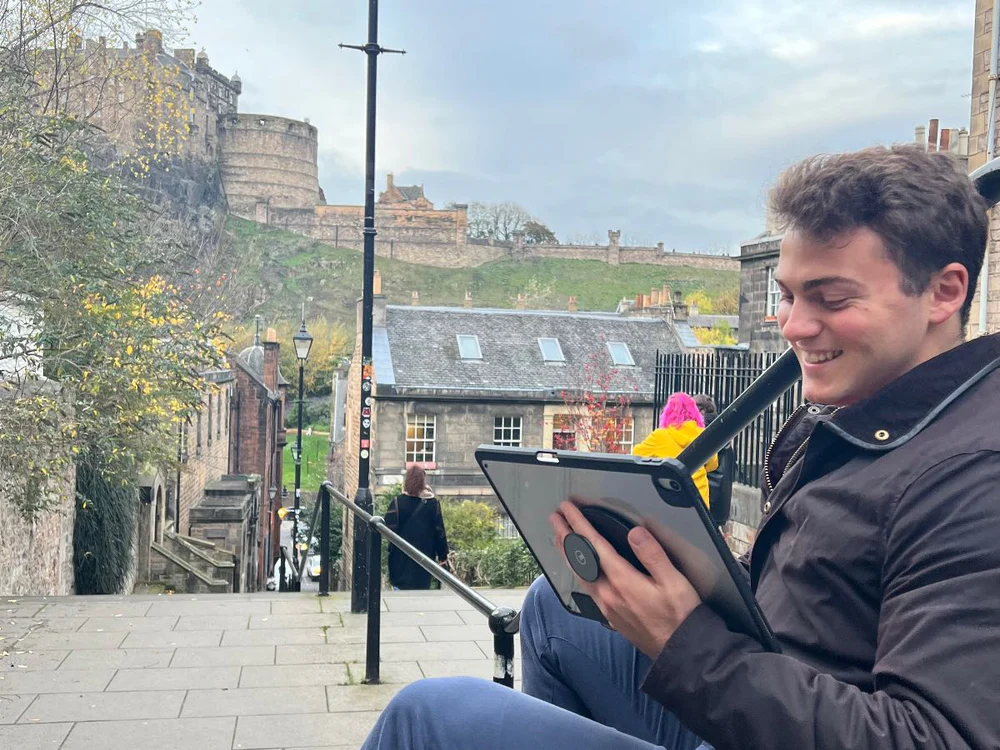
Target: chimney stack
column 573, row 307
column 468, row 299
column 414, row 298
column 389, row 183
column 520, row 302
column 932, row 135
column 271, row 347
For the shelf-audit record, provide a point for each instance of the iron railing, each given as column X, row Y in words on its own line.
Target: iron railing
column 724, row 375
column 504, row 622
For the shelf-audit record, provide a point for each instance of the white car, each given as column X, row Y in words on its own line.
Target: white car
column 313, row 567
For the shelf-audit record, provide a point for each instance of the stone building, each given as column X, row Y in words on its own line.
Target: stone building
column 257, row 440
column 449, row 379
column 984, row 116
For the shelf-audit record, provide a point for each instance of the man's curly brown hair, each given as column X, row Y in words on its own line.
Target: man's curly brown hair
column 926, row 211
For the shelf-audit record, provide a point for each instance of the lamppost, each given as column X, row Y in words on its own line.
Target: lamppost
column 363, row 496
column 303, row 343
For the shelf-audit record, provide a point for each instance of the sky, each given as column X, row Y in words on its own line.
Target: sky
column 662, row 119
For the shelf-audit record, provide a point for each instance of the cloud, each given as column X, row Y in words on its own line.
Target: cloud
column 660, row 119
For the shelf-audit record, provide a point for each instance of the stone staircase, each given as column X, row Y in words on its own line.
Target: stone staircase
column 194, row 566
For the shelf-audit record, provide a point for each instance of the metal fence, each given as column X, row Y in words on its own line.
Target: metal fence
column 724, row 375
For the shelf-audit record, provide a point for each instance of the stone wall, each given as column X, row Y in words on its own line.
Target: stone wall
column 268, row 160
column 207, row 448
column 36, row 557
column 755, row 327
column 741, row 529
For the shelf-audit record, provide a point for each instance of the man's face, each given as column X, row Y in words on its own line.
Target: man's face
column 846, row 316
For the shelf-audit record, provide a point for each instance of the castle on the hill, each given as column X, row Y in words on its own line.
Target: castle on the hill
column 268, row 168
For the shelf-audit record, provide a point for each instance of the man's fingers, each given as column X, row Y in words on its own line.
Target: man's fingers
column 651, row 555
column 579, row 524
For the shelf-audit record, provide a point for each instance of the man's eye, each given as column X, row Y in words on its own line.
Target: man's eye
column 835, row 304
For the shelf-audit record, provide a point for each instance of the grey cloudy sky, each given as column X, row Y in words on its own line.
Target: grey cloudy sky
column 663, row 119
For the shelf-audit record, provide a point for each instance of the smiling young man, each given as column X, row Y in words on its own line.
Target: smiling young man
column 877, row 560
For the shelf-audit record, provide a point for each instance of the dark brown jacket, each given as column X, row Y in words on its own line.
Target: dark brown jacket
column 877, row 564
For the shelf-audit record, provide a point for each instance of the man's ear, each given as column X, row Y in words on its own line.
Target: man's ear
column 947, row 291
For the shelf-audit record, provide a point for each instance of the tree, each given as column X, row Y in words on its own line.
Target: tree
column 600, row 406
column 718, row 335
column 536, row 233
column 82, row 255
column 496, row 221
column 331, row 342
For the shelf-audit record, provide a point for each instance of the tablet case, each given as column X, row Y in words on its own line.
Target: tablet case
column 673, row 484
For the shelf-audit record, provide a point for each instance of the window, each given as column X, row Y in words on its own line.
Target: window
column 468, row 347
column 551, row 351
column 507, row 431
column 773, row 294
column 563, row 433
column 627, row 439
column 620, row 355
column 420, row 429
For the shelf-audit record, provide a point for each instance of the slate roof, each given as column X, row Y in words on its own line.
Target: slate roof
column 707, row 321
column 418, row 349
column 411, row 192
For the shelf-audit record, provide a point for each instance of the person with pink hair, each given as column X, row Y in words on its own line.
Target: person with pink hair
column 680, row 423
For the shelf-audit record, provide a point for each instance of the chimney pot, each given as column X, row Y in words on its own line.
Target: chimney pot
column 654, row 297
column 468, row 299
column 945, row 140
column 638, row 302
column 963, row 142
column 414, row 298
column 573, row 306
column 647, row 301
column 920, row 136
column 932, row 135
column 520, row 301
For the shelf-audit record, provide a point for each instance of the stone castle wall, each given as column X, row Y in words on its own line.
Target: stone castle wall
column 268, row 161
column 438, row 238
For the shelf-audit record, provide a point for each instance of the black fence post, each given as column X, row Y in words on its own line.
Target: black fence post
column 324, row 544
column 282, row 586
column 373, row 645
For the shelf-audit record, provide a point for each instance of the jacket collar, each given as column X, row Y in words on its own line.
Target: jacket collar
column 899, row 411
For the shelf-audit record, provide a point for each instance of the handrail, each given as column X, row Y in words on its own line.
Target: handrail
column 504, row 622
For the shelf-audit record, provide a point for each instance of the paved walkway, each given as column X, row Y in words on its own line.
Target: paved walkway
column 225, row 672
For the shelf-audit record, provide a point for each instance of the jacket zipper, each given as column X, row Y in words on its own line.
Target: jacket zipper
column 795, row 454
column 767, row 453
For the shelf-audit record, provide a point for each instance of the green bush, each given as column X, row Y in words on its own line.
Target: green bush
column 503, row 563
column 470, row 525
column 104, row 531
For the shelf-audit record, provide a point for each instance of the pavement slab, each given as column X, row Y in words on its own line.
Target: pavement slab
column 274, row 671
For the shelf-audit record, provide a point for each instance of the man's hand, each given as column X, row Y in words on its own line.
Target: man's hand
column 645, row 609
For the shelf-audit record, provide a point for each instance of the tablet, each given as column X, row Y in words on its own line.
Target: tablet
column 617, row 492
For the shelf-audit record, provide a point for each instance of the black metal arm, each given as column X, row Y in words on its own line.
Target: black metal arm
column 504, row 622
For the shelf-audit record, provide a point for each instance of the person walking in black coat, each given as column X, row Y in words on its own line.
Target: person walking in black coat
column 416, row 516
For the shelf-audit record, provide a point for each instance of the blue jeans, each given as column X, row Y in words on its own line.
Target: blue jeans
column 581, row 690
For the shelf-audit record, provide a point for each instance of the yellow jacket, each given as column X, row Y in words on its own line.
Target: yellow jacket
column 668, row 442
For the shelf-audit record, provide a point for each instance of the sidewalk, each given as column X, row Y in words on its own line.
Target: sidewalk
column 225, row 672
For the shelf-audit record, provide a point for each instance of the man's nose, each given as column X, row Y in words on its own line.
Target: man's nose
column 799, row 322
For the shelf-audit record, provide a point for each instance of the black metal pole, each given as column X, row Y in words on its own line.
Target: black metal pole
column 373, row 642
column 281, row 572
column 298, row 476
column 363, row 496
column 324, row 552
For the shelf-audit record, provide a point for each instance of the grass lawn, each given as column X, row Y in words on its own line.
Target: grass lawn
column 314, row 450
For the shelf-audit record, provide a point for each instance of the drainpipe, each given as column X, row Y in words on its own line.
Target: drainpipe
column 984, row 288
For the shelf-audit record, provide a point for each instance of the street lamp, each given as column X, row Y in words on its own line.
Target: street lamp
column 302, row 342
